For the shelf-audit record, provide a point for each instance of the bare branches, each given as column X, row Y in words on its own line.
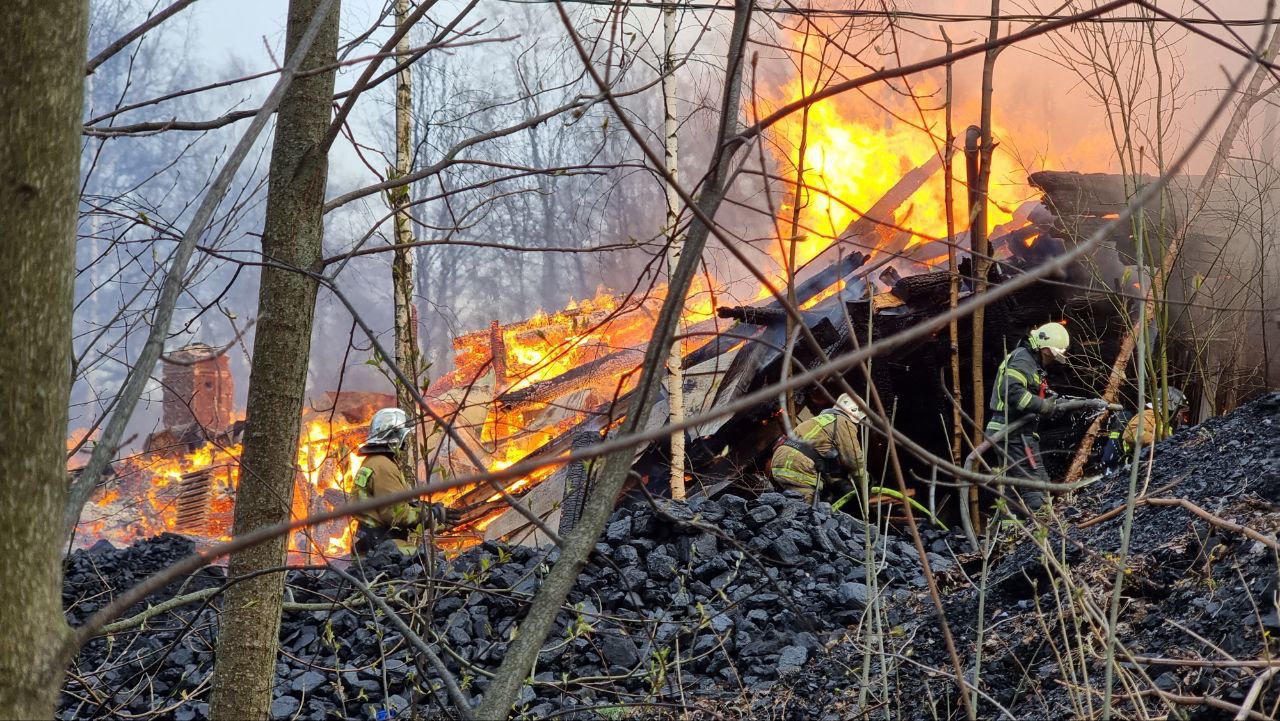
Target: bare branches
column 520, row 656
column 150, row 24
column 106, row 447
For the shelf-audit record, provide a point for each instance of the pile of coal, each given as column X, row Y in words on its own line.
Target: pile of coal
column 1198, row 608
column 678, row 601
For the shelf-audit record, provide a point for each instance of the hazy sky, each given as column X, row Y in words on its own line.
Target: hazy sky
column 1032, row 93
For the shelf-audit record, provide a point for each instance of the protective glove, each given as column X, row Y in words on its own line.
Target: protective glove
column 445, row 516
column 1049, row 406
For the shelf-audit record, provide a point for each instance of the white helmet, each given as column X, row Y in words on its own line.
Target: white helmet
column 389, row 427
column 845, row 405
column 1053, row 336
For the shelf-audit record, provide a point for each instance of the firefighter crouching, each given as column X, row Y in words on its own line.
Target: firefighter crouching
column 380, row 475
column 1144, row 423
column 821, row 451
column 1021, row 390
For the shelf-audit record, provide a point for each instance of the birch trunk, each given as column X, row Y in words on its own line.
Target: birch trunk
column 675, row 378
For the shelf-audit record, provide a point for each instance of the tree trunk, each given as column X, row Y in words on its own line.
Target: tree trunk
column 402, row 264
column 532, row 631
column 247, row 642
column 42, row 61
column 675, row 378
column 978, row 225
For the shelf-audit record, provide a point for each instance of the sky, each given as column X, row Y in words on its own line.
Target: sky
column 1031, row 90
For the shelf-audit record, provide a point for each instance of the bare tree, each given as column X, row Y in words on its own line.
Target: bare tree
column 670, row 147
column 402, row 277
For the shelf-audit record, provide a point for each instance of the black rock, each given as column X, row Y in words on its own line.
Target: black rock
column 853, row 593
column 619, row 530
column 791, row 658
column 1167, row 681
column 619, row 650
column 785, row 548
column 626, row 555
column 285, row 707
column 762, row 514
column 308, row 681
column 661, row 565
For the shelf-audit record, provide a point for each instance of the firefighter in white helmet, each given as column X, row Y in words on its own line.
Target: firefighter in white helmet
column 1021, row 389
column 821, row 451
column 380, row 475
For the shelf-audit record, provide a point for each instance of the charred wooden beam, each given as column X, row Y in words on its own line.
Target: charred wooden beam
column 753, row 315
column 498, row 352
column 924, row 288
column 805, row 290
column 890, row 277
column 572, row 380
column 1088, row 194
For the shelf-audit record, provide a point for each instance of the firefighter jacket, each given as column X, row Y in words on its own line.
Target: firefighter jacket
column 380, row 475
column 831, row 434
column 1019, row 389
column 1144, row 422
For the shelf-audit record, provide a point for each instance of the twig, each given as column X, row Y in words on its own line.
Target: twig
column 123, row 41
column 1255, row 690
column 1191, row 508
column 450, row 684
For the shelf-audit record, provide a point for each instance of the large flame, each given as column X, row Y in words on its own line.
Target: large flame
column 856, row 147
column 144, row 496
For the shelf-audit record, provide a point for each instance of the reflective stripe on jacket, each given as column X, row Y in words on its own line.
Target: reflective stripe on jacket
column 1019, row 388
column 830, row 433
column 378, row 476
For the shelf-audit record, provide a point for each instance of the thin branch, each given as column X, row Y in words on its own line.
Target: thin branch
column 145, row 27
column 450, row 683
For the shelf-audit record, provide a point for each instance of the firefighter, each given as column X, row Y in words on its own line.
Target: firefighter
column 1021, row 390
column 1113, row 451
column 821, row 451
column 380, row 475
column 1145, row 422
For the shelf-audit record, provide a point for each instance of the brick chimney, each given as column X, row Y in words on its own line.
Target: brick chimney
column 198, row 388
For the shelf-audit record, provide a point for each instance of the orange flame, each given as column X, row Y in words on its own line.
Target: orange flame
column 854, row 152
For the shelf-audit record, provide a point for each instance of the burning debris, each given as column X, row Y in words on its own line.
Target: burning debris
column 185, row 479
column 531, row 388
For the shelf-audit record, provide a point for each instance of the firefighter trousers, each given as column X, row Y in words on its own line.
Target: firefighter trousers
column 1019, row 457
